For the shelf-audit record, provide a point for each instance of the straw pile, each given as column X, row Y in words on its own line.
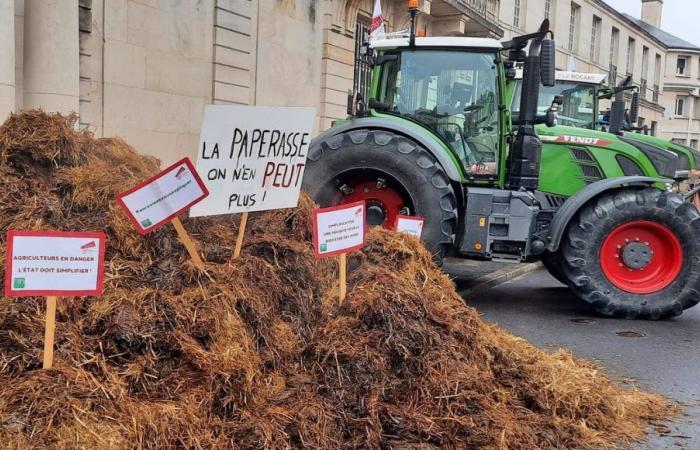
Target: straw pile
column 258, row 353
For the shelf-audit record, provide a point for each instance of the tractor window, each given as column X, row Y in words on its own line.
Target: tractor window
column 455, row 94
column 578, row 109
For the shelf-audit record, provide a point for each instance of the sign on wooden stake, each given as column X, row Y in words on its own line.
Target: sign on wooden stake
column 252, row 159
column 53, row 264
column 339, row 230
column 161, row 198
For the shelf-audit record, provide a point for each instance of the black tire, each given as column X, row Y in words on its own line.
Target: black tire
column 581, row 250
column 408, row 166
column 553, row 262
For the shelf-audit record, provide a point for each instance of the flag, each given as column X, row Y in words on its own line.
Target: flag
column 376, row 30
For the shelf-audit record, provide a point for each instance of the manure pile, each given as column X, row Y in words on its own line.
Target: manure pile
column 257, row 353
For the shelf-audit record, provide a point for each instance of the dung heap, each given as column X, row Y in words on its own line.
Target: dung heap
column 257, row 353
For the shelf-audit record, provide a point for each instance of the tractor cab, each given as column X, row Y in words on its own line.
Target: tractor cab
column 579, row 93
column 451, row 86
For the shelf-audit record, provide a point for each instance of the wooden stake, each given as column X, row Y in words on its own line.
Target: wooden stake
column 49, row 331
column 241, row 232
column 188, row 243
column 342, row 272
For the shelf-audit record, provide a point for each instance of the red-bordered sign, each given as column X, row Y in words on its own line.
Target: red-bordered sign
column 413, row 224
column 55, row 248
column 355, row 209
column 172, row 179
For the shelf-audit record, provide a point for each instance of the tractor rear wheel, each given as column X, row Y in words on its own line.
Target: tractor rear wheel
column 635, row 254
column 392, row 174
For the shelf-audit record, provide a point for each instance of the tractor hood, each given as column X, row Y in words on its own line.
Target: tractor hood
column 666, row 162
column 689, row 157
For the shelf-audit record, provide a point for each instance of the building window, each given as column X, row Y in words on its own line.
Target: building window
column 631, row 44
column 547, row 8
column 678, row 141
column 680, row 106
column 573, row 27
column 614, row 48
column 516, row 13
column 654, row 127
column 595, row 38
column 681, row 66
column 694, row 143
column 657, row 70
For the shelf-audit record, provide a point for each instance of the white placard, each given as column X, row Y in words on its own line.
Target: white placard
column 252, row 158
column 54, row 263
column 412, row 225
column 339, row 229
column 162, row 197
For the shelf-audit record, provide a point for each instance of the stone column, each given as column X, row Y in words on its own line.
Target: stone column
column 51, row 55
column 7, row 61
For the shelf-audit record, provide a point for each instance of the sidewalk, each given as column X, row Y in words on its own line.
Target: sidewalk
column 472, row 276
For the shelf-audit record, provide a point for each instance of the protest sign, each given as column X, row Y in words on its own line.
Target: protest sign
column 52, row 264
column 337, row 231
column 412, row 225
column 252, row 158
column 164, row 196
column 46, row 263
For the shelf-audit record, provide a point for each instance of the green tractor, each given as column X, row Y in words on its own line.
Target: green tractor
column 580, row 95
column 437, row 140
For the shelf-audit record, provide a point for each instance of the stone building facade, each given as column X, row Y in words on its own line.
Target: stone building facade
column 144, row 69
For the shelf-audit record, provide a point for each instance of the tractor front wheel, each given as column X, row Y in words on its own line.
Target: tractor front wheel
column 635, row 254
column 392, row 174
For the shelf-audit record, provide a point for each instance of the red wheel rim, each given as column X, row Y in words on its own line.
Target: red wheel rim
column 377, row 197
column 661, row 262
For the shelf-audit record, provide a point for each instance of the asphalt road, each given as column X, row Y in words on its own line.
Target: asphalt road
column 662, row 357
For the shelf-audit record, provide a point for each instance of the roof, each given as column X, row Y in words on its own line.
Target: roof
column 667, row 39
column 461, row 42
column 577, row 77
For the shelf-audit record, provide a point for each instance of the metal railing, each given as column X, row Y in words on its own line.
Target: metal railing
column 487, row 8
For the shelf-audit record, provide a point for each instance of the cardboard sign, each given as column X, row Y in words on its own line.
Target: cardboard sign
column 339, row 229
column 412, row 225
column 164, row 196
column 50, row 263
column 252, row 158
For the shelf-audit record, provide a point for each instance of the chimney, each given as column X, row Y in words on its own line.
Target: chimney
column 651, row 12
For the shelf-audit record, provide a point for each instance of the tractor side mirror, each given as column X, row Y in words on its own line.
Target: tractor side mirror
column 634, row 108
column 553, row 111
column 548, row 63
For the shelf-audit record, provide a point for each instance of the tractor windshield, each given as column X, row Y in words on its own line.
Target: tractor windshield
column 453, row 93
column 578, row 109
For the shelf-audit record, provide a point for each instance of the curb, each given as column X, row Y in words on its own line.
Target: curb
column 501, row 276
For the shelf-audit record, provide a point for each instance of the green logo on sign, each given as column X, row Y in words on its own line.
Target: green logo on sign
column 146, row 223
column 19, row 283
column 324, row 247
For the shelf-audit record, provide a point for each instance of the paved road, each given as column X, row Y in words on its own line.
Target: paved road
column 665, row 358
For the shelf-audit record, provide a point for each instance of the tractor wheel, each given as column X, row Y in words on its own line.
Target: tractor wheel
column 635, row 254
column 392, row 174
column 553, row 262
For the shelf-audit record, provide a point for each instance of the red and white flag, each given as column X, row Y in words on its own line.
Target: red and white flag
column 376, row 30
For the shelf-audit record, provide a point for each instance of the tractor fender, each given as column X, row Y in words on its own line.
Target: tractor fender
column 574, row 203
column 451, row 169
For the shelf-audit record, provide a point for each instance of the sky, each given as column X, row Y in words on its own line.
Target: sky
column 679, row 16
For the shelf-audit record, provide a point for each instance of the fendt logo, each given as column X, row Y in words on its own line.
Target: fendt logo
column 581, row 140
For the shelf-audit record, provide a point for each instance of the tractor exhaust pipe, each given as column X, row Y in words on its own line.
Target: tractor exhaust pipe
column 525, row 155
